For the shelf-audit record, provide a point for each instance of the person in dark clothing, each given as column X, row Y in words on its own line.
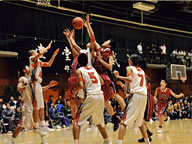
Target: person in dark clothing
column 67, row 109
column 1, row 107
column 50, row 101
column 8, row 117
column 12, row 103
column 61, row 100
column 60, row 119
column 19, row 104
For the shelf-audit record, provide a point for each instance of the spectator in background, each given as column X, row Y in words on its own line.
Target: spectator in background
column 2, row 106
column 177, row 109
column 163, row 48
column 60, row 119
column 12, row 103
column 19, row 104
column 61, row 100
column 50, row 101
column 139, row 48
column 60, row 107
column 67, row 109
column 170, row 110
column 8, row 117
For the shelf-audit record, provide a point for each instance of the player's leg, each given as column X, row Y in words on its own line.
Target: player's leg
column 109, row 108
column 121, row 134
column 76, row 133
column 144, row 133
column 120, row 100
column 104, row 134
column 73, row 107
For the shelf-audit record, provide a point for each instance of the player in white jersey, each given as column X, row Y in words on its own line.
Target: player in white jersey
column 93, row 105
column 24, row 88
column 134, row 112
column 36, row 78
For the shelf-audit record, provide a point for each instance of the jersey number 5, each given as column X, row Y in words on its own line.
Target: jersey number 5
column 94, row 79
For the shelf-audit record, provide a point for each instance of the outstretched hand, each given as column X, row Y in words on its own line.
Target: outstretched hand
column 67, row 33
column 53, row 83
column 49, row 46
column 86, row 22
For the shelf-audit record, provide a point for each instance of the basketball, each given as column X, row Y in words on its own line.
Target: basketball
column 78, row 23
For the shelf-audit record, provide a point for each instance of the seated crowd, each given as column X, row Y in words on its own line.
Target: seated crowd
column 154, row 54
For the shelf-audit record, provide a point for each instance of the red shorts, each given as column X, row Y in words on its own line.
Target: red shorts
column 108, row 87
column 162, row 108
column 149, row 108
column 72, row 83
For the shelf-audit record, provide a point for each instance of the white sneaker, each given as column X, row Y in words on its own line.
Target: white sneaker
column 92, row 128
column 40, row 132
column 45, row 129
column 11, row 142
column 160, row 130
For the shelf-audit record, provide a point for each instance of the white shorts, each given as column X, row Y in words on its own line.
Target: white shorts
column 38, row 96
column 135, row 110
column 92, row 106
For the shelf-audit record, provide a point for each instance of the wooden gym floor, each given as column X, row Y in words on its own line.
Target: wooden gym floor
column 175, row 132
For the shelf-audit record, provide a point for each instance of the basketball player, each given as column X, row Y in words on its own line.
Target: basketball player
column 137, row 102
column 27, row 109
column 162, row 94
column 93, row 105
column 35, row 66
column 103, row 65
column 72, row 80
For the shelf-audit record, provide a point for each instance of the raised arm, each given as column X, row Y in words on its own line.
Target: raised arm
column 50, row 62
column 128, row 78
column 42, row 52
column 94, row 45
column 67, row 33
column 80, row 83
column 74, row 44
column 175, row 95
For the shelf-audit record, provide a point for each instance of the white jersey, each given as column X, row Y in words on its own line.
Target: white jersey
column 138, row 84
column 88, row 53
column 91, row 79
column 35, row 69
column 27, row 96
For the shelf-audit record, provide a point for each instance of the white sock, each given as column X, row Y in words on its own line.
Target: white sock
column 147, row 140
column 42, row 123
column 119, row 141
column 76, row 141
column 36, row 125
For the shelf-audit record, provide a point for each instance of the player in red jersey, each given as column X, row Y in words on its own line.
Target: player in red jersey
column 162, row 94
column 103, row 63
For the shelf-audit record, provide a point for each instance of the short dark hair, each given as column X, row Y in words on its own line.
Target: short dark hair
column 164, row 80
column 136, row 60
column 82, row 59
column 112, row 44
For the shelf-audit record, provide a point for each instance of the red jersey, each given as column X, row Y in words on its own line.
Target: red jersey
column 163, row 96
column 105, row 53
